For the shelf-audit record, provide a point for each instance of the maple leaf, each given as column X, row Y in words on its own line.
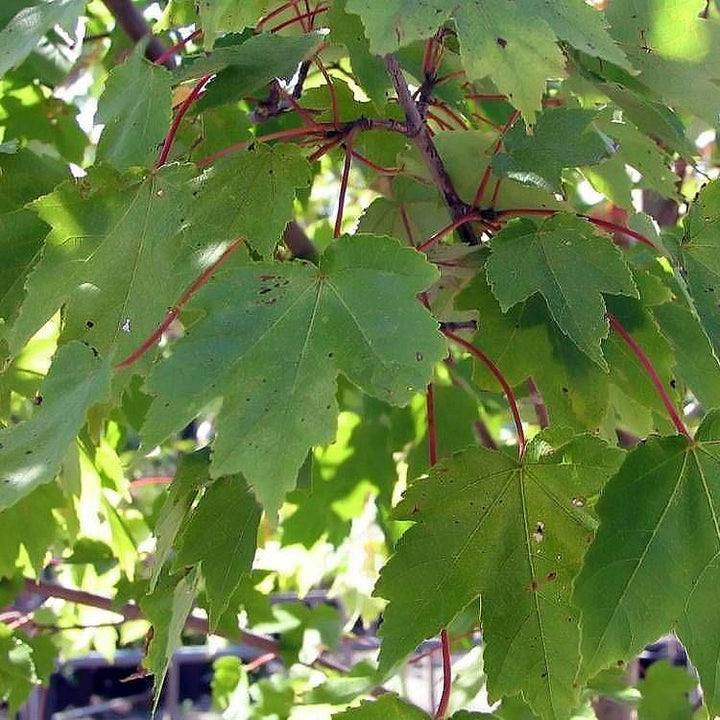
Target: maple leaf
column 272, row 340
column 220, row 535
column 112, row 259
column 32, row 451
column 515, row 533
column 658, row 518
column 565, row 261
column 386, row 707
column 135, row 108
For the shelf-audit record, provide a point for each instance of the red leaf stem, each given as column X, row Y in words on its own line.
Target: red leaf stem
column 427, row 54
column 258, row 662
column 150, row 480
column 509, row 394
column 173, row 313
column 323, row 149
column 343, row 185
column 604, row 224
column 489, row 122
column 552, row 101
column 440, row 105
column 300, row 18
column 378, row 168
column 448, row 77
column 178, row 46
column 495, row 192
column 447, row 675
column 277, row 11
column 406, row 224
column 331, row 90
column 279, row 135
column 299, row 109
column 440, row 234
column 442, row 124
column 651, row 372
column 488, row 170
column 182, row 110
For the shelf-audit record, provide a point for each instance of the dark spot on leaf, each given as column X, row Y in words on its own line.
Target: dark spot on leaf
column 419, row 356
column 565, row 390
column 673, row 383
column 551, row 576
column 89, row 324
column 37, row 400
column 28, row 452
column 265, row 290
column 502, row 42
column 532, row 587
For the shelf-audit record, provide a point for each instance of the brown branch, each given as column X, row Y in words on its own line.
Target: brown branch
column 130, row 611
column 417, row 130
column 133, row 22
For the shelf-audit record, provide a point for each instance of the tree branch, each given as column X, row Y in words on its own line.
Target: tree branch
column 133, row 22
column 417, row 130
column 132, row 612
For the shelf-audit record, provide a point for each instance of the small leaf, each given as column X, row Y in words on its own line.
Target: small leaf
column 565, row 261
column 135, row 108
column 665, row 689
column 221, row 536
column 274, row 337
column 32, row 451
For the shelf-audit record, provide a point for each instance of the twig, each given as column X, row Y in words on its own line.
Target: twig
column 418, row 131
column 343, row 186
column 496, row 148
column 133, row 22
column 651, row 372
column 170, row 52
column 447, row 675
column 454, row 225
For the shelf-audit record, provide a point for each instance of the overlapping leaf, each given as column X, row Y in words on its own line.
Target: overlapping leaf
column 515, row 533
column 658, row 519
column 565, row 261
column 272, row 341
column 221, row 536
column 32, row 451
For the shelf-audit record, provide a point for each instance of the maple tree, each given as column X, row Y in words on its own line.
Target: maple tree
column 414, row 302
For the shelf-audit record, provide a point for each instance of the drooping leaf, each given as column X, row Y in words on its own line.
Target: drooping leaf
column 167, row 609
column 17, row 673
column 515, row 533
column 701, row 258
column 386, row 707
column 114, row 259
column 660, row 511
column 135, row 108
column 30, row 524
column 220, row 536
column 538, row 159
column 20, row 36
column 565, row 261
column 280, row 353
column 233, row 197
column 191, row 475
column 32, row 451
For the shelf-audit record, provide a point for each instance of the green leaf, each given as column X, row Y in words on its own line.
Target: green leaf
column 167, row 609
column 514, row 533
column 525, row 343
column 31, row 452
column 247, row 68
column 191, row 475
column 498, row 41
column 665, row 689
column 20, row 36
column 659, row 511
column 273, row 339
column 113, row 259
column 17, row 673
column 697, row 363
column 234, row 195
column 135, row 108
column 218, row 17
column 538, row 159
column 30, row 524
column 386, row 707
column 221, row 536
column 569, row 265
column 700, row 256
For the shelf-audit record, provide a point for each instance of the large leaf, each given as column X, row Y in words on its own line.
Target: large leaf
column 135, row 109
column 658, row 518
column 235, row 196
column 220, row 536
column 514, row 533
column 32, row 451
column 272, row 341
column 113, row 259
column 565, row 261
column 20, row 36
